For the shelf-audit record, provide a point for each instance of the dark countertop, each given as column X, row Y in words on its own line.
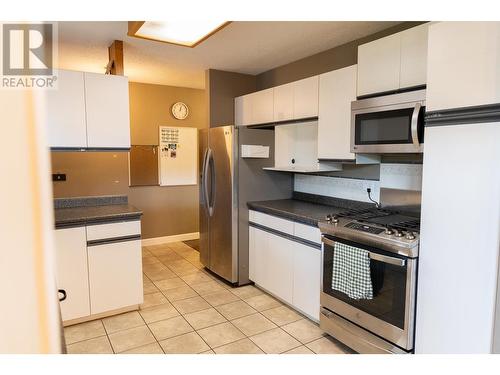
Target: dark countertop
column 75, row 213
column 305, row 208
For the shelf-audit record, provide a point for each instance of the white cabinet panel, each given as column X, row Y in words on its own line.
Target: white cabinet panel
column 66, row 111
column 307, row 232
column 280, row 267
column 243, row 110
column 271, row 263
column 296, row 145
column 283, row 102
column 414, row 56
column 463, row 68
column 379, row 65
column 337, row 89
column 306, row 279
column 113, row 230
column 107, row 106
column 262, row 107
column 72, row 273
column 305, row 97
column 115, row 274
column 270, row 221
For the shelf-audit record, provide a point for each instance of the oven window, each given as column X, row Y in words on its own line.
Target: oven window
column 385, row 127
column 388, row 282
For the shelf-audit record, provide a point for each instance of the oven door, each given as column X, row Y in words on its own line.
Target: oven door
column 390, row 313
column 397, row 128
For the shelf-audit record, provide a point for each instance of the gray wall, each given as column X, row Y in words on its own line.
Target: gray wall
column 331, row 59
column 221, row 89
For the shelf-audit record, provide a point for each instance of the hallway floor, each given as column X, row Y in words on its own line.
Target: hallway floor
column 188, row 310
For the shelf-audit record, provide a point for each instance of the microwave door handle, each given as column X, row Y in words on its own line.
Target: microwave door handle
column 414, row 124
column 375, row 256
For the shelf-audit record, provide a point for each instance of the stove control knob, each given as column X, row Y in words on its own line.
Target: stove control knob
column 410, row 236
column 398, row 233
column 335, row 219
column 388, row 231
column 329, row 218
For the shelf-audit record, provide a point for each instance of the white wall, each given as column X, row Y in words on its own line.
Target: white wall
column 29, row 309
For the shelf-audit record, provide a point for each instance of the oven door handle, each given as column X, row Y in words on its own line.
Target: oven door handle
column 375, row 256
column 414, row 124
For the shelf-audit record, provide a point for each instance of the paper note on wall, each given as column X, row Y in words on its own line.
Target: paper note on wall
column 178, row 164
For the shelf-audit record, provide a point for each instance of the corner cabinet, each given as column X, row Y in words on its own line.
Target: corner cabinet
column 88, row 111
column 337, row 89
column 392, row 63
column 285, row 260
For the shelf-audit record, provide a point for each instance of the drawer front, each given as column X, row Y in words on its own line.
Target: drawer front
column 307, row 232
column 273, row 222
column 113, row 230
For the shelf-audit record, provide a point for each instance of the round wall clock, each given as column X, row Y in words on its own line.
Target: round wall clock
column 180, row 110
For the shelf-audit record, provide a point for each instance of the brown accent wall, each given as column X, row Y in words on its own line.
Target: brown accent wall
column 221, row 89
column 167, row 210
column 334, row 58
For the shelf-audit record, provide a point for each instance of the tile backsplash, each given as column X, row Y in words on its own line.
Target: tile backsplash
column 392, row 175
column 345, row 188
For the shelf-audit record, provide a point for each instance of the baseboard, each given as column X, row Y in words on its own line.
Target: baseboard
column 167, row 239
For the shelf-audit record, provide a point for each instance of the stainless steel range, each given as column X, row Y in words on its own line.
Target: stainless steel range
column 383, row 322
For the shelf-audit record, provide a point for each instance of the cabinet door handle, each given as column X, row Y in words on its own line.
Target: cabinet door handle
column 64, row 295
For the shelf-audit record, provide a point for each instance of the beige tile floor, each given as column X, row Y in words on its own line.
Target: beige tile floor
column 188, row 310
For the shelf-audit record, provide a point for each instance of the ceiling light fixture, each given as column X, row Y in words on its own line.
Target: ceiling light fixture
column 180, row 32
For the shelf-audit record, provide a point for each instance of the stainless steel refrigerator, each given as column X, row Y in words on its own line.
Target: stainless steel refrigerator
column 227, row 183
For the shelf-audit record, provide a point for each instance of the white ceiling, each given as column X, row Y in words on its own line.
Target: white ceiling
column 245, row 47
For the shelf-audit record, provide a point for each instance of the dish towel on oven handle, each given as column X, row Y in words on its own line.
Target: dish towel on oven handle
column 351, row 271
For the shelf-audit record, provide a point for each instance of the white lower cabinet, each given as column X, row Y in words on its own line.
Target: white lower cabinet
column 72, row 272
column 115, row 274
column 99, row 272
column 306, row 279
column 271, row 263
column 288, row 269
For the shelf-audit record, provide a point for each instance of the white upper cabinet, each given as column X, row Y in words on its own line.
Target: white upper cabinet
column 88, row 110
column 378, row 65
column 107, row 101
column 305, row 98
column 66, row 111
column 243, row 110
column 337, row 89
column 292, row 101
column 262, row 107
column 394, row 62
column 464, row 67
column 283, row 102
column 414, row 56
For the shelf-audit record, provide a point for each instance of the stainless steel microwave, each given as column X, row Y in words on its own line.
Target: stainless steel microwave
column 388, row 124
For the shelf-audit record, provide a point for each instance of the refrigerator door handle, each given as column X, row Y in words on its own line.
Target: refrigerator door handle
column 211, row 198
column 204, row 180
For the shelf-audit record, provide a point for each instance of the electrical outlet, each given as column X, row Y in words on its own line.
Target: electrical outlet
column 59, row 177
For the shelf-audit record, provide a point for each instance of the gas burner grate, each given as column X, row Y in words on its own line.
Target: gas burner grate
column 410, row 225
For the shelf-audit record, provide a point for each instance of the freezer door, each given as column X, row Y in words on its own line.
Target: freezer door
column 203, row 214
column 223, row 202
